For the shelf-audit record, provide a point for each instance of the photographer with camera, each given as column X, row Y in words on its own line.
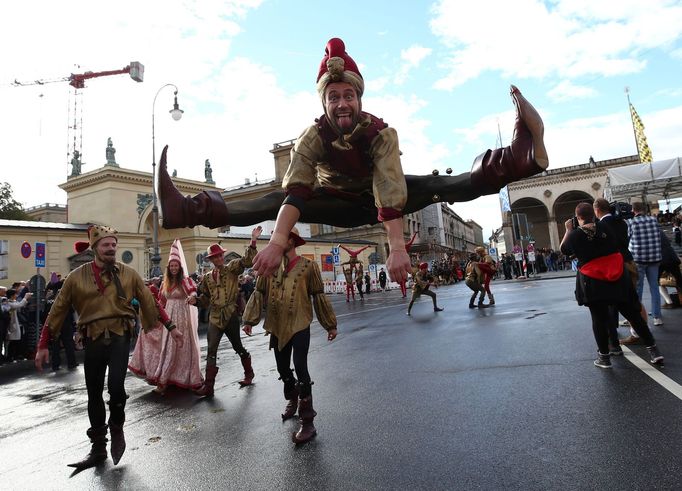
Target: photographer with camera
column 613, row 216
column 603, row 281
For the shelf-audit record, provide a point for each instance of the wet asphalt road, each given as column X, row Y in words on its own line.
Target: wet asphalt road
column 501, row 398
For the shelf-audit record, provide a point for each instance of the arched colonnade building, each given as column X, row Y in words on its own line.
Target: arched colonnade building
column 549, row 199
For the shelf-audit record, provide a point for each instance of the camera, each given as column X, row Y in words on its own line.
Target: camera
column 621, row 210
column 574, row 222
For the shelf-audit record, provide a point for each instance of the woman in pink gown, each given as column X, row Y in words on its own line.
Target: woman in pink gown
column 157, row 358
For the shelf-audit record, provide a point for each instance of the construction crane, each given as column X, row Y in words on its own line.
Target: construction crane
column 77, row 81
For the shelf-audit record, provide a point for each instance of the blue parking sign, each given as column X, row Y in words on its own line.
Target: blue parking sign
column 40, row 254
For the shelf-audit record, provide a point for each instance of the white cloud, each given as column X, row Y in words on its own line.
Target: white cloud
column 411, row 58
column 528, row 39
column 566, row 91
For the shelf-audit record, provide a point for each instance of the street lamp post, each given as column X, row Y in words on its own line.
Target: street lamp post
column 176, row 114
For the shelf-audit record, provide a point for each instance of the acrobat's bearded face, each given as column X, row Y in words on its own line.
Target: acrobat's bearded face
column 342, row 106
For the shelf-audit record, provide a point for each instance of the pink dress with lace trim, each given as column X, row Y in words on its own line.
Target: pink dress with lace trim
column 159, row 360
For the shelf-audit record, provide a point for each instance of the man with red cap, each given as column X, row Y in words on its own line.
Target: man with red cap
column 219, row 289
column 289, row 298
column 101, row 292
column 422, row 282
column 345, row 171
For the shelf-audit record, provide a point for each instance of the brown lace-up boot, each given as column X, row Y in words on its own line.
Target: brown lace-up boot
column 206, row 390
column 306, row 415
column 291, row 395
column 248, row 371
column 207, row 208
column 525, row 157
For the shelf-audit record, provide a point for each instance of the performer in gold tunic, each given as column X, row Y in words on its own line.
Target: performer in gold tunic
column 287, row 297
column 219, row 289
column 488, row 268
column 101, row 293
column 345, row 171
column 422, row 282
column 473, row 278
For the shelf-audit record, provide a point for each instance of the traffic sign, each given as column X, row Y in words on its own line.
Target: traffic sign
column 337, row 259
column 517, row 249
column 530, row 247
column 26, row 250
column 335, row 251
column 492, row 251
column 40, row 254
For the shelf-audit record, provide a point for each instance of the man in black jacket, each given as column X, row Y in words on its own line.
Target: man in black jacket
column 619, row 230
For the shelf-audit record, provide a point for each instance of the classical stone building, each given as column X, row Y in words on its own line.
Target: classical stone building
column 548, row 199
column 122, row 198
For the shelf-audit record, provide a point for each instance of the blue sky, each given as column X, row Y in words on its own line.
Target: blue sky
column 439, row 72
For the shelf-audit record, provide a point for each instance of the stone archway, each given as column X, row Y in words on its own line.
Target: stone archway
column 564, row 207
column 538, row 220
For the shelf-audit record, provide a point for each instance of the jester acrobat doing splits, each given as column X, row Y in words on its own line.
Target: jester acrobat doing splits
column 345, row 171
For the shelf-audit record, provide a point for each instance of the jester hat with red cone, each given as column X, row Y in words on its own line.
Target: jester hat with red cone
column 338, row 66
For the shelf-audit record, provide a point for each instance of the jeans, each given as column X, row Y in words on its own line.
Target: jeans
column 650, row 270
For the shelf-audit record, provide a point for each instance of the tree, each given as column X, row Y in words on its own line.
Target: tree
column 10, row 209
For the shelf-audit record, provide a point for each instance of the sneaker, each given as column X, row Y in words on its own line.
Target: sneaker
column 630, row 340
column 625, row 323
column 615, row 351
column 667, row 306
column 603, row 361
column 655, row 355
column 658, row 321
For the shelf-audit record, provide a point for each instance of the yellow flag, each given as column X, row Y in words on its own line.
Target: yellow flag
column 642, row 146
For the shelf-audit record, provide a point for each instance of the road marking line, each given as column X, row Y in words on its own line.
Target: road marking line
column 664, row 381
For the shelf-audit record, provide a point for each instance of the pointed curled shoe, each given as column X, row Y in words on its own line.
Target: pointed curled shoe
column 527, row 113
column 206, row 208
column 524, row 157
column 118, row 442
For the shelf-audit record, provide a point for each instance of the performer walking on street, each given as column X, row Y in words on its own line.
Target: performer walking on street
column 289, row 298
column 219, row 290
column 165, row 363
column 350, row 285
column 101, row 292
column 473, row 278
column 422, row 282
column 487, row 266
column 345, row 171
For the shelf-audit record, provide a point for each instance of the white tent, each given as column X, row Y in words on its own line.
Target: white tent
column 657, row 180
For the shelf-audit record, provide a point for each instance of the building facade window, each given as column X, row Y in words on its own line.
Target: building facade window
column 4, row 259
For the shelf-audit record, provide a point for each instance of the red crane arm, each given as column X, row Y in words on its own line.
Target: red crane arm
column 77, row 80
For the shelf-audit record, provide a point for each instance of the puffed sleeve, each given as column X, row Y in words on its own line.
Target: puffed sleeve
column 149, row 306
column 323, row 307
column 389, row 186
column 203, row 295
column 61, row 306
column 254, row 306
column 301, row 175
